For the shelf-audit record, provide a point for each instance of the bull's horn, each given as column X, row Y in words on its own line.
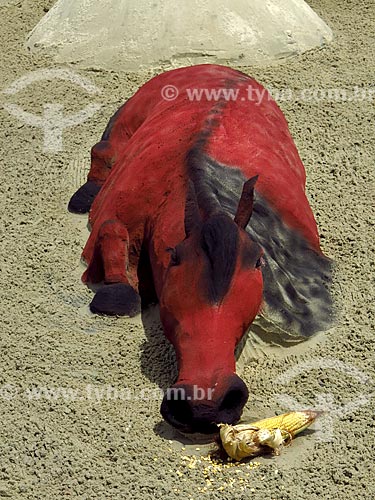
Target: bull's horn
column 245, row 206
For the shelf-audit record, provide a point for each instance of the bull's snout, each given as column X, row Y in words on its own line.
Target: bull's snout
column 192, row 408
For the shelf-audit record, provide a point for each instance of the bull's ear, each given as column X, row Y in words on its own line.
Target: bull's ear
column 245, row 206
column 192, row 214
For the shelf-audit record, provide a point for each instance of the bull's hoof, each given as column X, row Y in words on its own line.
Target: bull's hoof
column 83, row 198
column 116, row 300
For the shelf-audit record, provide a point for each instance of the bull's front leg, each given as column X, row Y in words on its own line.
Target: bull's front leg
column 114, row 264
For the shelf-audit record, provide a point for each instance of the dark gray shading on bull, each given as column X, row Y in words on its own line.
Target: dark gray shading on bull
column 297, row 279
column 112, row 121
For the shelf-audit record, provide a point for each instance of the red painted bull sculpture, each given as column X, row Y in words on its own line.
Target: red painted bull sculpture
column 202, row 201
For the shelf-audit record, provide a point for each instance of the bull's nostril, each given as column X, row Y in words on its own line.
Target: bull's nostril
column 193, row 414
column 230, row 407
column 232, row 399
column 180, row 411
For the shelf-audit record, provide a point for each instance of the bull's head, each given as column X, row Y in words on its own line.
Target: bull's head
column 211, row 294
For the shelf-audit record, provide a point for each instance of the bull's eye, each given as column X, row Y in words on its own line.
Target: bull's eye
column 175, row 259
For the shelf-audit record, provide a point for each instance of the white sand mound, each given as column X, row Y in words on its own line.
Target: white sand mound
column 128, row 35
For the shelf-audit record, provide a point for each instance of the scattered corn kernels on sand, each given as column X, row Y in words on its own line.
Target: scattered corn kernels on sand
column 248, row 440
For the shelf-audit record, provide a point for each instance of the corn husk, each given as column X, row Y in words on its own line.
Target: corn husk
column 270, row 434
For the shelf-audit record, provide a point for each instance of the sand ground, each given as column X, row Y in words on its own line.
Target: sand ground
column 94, row 443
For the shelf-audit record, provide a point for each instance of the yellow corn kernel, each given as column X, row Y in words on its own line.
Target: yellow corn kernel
column 293, row 422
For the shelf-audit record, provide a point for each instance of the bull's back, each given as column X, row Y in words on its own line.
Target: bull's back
column 249, row 133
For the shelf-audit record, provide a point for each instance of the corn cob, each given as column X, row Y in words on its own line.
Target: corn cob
column 246, row 440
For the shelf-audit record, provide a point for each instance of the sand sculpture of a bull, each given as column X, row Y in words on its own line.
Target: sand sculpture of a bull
column 203, row 201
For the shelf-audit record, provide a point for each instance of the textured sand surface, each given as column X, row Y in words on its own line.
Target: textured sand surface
column 90, row 444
